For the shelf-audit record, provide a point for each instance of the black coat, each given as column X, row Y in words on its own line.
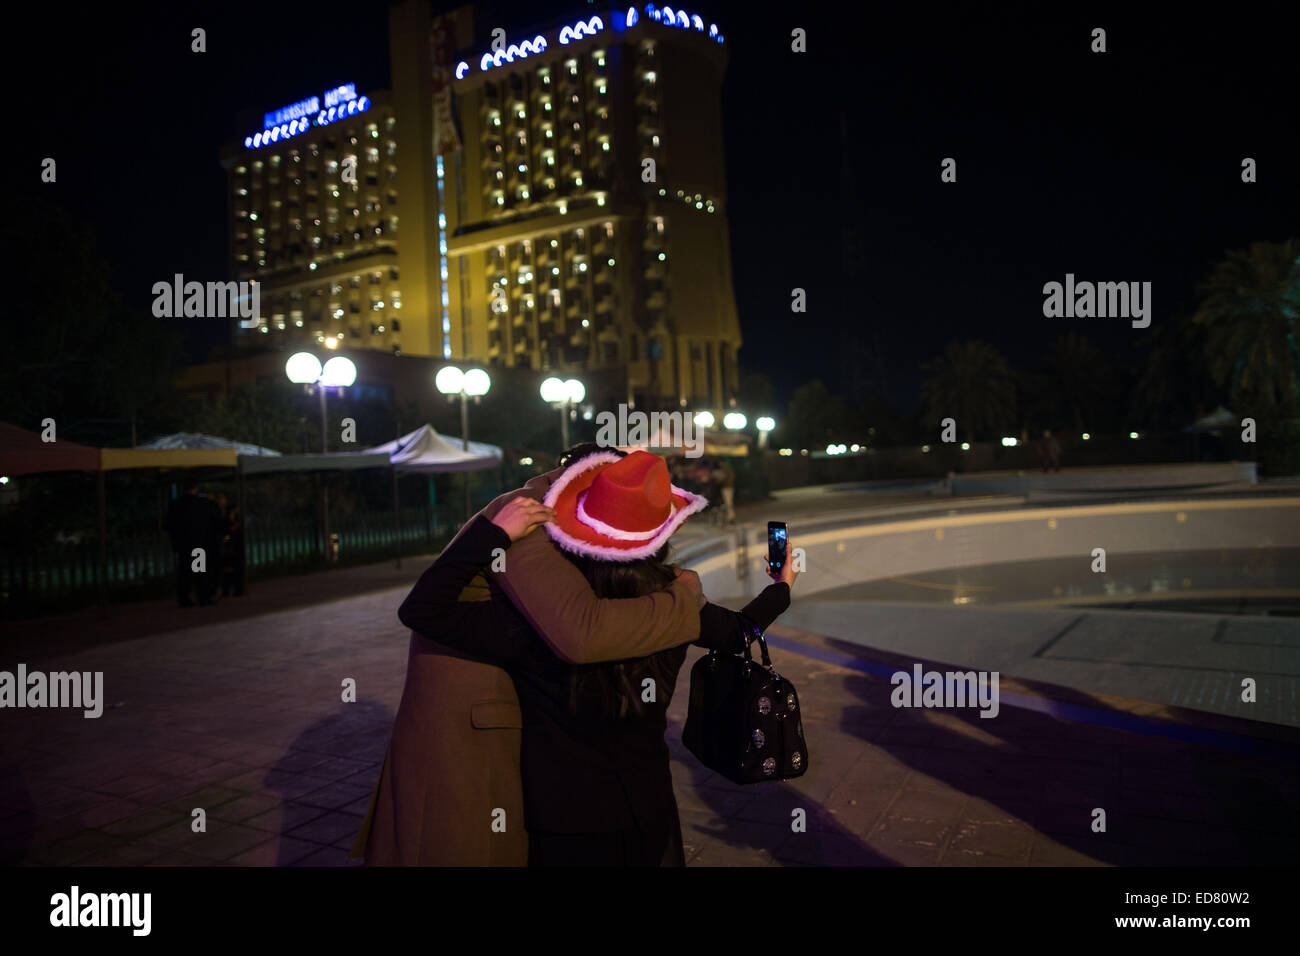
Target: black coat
column 195, row 522
column 586, row 771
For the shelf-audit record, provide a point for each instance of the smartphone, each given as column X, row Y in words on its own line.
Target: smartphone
column 775, row 545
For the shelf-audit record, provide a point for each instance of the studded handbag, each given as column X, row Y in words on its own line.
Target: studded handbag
column 743, row 719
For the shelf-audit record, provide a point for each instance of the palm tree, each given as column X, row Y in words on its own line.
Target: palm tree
column 1174, row 387
column 971, row 383
column 1079, row 381
column 1250, row 310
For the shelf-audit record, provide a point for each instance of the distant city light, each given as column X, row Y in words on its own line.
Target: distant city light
column 525, row 461
column 449, row 380
column 965, row 446
column 704, row 419
column 733, row 420
column 1009, row 443
column 476, row 382
column 1086, row 436
column 1132, row 434
column 339, row 371
column 302, row 368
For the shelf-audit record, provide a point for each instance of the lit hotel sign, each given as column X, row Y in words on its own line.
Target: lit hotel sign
column 289, row 121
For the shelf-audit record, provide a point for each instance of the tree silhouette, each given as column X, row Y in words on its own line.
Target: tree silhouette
column 972, row 383
column 1250, row 311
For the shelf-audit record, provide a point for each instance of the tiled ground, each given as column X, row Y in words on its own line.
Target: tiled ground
column 241, row 715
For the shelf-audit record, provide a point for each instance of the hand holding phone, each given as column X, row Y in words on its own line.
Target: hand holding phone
column 778, row 553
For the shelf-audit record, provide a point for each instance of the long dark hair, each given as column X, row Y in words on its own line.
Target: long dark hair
column 614, row 690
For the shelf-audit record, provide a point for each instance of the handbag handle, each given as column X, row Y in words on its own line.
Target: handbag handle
column 751, row 632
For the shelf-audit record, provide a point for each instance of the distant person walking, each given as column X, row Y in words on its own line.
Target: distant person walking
column 194, row 522
column 724, row 476
column 1049, row 451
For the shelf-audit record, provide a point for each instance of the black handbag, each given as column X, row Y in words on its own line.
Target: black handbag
column 743, row 720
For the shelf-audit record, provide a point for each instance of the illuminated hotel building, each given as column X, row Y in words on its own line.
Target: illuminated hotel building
column 541, row 241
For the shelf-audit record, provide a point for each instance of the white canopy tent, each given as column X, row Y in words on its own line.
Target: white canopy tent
column 424, row 450
column 196, row 440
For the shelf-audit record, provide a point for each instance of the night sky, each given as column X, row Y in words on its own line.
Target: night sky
column 1123, row 166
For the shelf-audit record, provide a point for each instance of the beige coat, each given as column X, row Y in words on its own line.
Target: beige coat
column 449, row 792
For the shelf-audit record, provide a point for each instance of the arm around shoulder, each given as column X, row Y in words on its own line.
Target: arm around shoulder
column 556, row 598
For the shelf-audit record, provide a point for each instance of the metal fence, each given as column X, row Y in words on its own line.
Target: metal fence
column 37, row 579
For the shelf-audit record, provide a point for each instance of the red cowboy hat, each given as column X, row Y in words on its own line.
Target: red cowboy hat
column 616, row 508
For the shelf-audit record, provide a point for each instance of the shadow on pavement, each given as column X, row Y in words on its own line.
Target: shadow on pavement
column 1167, row 802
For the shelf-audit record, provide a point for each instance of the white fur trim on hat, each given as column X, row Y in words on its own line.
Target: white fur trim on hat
column 695, row 503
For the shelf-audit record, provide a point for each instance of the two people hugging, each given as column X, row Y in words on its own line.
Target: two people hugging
column 547, row 640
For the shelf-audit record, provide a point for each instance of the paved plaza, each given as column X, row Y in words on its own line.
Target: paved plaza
column 237, row 709
column 244, row 719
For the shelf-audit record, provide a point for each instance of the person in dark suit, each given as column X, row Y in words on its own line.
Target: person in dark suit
column 596, row 778
column 194, row 521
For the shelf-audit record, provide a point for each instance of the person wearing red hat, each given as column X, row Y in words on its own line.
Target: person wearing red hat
column 449, row 791
column 596, row 778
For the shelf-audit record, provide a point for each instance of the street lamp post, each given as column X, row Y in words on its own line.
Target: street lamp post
column 765, row 425
column 454, row 383
column 563, row 395
column 305, row 369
